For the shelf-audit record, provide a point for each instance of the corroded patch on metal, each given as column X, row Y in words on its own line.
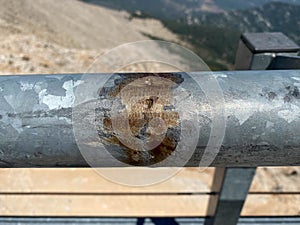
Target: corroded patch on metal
column 142, row 121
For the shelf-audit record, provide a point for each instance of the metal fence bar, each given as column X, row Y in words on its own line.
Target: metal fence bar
column 261, row 110
column 231, row 186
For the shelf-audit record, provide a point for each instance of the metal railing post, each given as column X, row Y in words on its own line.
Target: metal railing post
column 230, row 189
column 256, row 51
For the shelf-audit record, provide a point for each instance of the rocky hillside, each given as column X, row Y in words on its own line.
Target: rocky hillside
column 217, row 34
column 274, row 16
column 68, row 23
column 176, row 9
column 213, row 27
column 234, row 4
column 53, row 36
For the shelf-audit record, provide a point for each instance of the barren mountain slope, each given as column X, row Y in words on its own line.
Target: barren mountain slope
column 69, row 23
column 73, row 33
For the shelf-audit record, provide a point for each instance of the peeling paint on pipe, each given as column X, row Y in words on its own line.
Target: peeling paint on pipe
column 262, row 110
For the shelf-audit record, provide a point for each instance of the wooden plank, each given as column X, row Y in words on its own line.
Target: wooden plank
column 188, row 180
column 138, row 205
column 85, row 180
column 276, row 179
column 272, row 205
column 114, row 205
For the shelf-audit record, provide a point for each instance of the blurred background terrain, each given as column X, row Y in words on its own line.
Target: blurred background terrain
column 54, row 36
column 213, row 27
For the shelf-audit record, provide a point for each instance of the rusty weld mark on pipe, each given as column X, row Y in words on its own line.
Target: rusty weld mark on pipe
column 144, row 113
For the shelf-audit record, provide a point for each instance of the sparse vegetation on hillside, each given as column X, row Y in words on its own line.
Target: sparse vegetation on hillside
column 216, row 46
column 214, row 36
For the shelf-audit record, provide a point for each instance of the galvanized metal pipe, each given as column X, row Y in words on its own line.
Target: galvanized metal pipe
column 262, row 112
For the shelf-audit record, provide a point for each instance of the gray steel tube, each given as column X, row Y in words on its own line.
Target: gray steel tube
column 261, row 112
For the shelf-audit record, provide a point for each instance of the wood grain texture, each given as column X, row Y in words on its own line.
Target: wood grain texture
column 83, row 180
column 276, row 180
column 126, row 205
column 188, row 180
column 136, row 205
column 272, row 205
